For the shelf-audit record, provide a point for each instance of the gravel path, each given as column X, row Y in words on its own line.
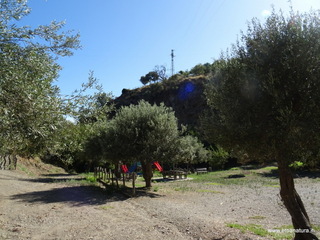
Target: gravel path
column 42, row 208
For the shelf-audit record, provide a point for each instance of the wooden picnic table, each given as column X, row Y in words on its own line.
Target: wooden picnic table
column 174, row 174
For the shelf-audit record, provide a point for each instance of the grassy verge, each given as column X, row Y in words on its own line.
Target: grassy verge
column 239, row 176
column 283, row 232
column 86, row 179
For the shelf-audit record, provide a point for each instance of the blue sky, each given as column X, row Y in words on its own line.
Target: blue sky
column 123, row 40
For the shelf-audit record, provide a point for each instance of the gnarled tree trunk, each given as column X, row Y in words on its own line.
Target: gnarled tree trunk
column 147, row 172
column 8, row 162
column 294, row 204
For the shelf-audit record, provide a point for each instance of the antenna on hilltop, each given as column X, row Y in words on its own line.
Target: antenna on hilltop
column 172, row 62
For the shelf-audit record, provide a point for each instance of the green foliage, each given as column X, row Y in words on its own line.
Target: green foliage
column 264, row 99
column 254, row 228
column 191, row 150
column 149, row 77
column 30, row 107
column 201, row 69
column 218, row 158
column 158, row 74
column 47, row 38
column 296, row 165
column 283, row 232
column 264, row 96
column 141, row 132
column 146, row 133
column 95, row 108
column 252, row 178
column 67, row 143
column 89, row 177
column 77, row 146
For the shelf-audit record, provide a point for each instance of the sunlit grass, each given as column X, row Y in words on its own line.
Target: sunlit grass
column 236, row 176
column 270, row 168
column 106, row 207
column 271, row 185
column 261, row 231
column 253, row 228
column 283, row 232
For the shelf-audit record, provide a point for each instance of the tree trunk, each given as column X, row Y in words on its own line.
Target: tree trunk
column 147, row 172
column 117, row 171
column 294, row 204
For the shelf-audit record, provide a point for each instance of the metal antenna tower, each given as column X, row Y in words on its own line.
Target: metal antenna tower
column 172, row 62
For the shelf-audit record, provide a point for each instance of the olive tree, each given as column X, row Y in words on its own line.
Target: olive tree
column 264, row 100
column 30, row 106
column 142, row 133
column 191, row 150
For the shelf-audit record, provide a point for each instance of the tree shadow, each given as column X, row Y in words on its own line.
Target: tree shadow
column 79, row 195
column 296, row 174
column 140, row 192
column 274, row 173
column 51, row 180
column 307, row 174
column 235, row 176
column 250, row 167
column 58, row 175
column 169, row 179
column 73, row 195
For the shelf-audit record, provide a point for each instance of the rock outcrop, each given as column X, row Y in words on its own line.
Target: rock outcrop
column 184, row 96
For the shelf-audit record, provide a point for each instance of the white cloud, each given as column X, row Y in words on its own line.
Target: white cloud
column 265, row 13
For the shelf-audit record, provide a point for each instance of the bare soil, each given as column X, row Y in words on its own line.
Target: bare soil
column 46, row 207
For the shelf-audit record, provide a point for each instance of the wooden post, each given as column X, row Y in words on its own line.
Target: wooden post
column 112, row 178
column 108, row 174
column 133, row 184
column 117, row 182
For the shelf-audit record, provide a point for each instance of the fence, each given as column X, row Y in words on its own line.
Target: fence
column 107, row 176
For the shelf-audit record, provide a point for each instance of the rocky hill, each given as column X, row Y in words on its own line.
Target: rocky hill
column 185, row 96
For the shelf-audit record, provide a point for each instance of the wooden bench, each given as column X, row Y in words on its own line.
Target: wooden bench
column 201, row 170
column 174, row 174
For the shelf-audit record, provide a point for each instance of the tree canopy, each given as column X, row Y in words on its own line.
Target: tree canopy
column 264, row 98
column 158, row 74
column 146, row 133
column 142, row 133
column 30, row 107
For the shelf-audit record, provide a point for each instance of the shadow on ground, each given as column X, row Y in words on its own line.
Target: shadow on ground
column 296, row 174
column 79, row 195
column 51, row 180
column 169, row 179
column 140, row 192
column 59, row 175
column 74, row 195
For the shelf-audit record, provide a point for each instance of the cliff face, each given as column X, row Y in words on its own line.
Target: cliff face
column 185, row 97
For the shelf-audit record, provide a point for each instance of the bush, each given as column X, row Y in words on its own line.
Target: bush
column 218, row 158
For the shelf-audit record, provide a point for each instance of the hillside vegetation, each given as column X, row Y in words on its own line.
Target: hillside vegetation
column 184, row 94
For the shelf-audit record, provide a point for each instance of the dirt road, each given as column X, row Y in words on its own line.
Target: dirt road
column 47, row 208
